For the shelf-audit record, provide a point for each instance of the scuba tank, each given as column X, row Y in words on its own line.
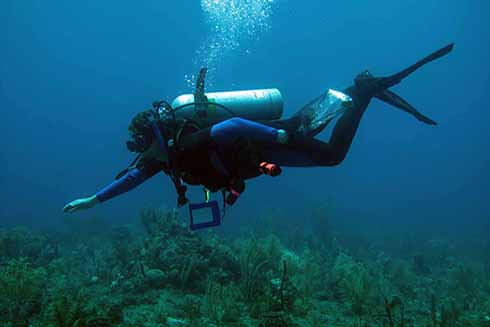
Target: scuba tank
column 213, row 107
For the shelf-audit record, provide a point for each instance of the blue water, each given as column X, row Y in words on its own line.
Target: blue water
column 74, row 73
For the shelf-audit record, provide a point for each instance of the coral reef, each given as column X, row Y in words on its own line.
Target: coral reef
column 165, row 275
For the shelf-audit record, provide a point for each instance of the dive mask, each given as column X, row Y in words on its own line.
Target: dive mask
column 138, row 143
column 141, row 138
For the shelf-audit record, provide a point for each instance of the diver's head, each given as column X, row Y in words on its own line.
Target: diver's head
column 141, row 132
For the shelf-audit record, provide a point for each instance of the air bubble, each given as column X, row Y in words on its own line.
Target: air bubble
column 232, row 23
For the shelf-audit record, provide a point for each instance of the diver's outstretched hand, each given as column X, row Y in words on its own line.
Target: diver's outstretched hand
column 80, row 204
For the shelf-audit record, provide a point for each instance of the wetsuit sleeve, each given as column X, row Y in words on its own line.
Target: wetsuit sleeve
column 130, row 180
column 227, row 132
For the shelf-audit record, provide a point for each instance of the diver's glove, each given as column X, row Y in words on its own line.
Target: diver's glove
column 80, row 204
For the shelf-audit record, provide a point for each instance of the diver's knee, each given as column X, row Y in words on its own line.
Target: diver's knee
column 335, row 162
column 337, row 159
column 327, row 161
column 323, row 154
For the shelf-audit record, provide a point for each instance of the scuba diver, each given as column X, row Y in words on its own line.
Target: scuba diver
column 221, row 153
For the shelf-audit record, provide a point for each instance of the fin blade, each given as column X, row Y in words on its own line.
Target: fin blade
column 398, row 77
column 397, row 101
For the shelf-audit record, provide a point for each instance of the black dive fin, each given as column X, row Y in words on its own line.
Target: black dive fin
column 397, row 78
column 398, row 102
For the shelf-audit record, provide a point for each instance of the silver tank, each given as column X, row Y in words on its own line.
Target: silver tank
column 265, row 104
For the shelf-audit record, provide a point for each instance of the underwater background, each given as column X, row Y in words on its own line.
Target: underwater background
column 397, row 235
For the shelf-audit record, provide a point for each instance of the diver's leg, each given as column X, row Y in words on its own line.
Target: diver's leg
column 306, row 151
column 344, row 131
column 229, row 131
column 300, row 151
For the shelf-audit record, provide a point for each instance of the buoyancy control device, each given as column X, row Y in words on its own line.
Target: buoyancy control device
column 206, row 109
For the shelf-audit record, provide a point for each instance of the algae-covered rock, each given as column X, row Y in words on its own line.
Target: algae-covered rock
column 155, row 278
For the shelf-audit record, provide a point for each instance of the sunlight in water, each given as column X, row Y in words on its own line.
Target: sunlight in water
column 234, row 24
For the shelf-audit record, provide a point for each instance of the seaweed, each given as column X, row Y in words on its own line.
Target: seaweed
column 77, row 308
column 220, row 304
column 21, row 291
column 355, row 282
column 253, row 261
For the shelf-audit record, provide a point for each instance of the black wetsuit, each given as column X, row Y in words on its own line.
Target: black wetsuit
column 202, row 160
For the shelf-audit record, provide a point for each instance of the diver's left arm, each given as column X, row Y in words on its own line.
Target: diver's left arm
column 133, row 178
